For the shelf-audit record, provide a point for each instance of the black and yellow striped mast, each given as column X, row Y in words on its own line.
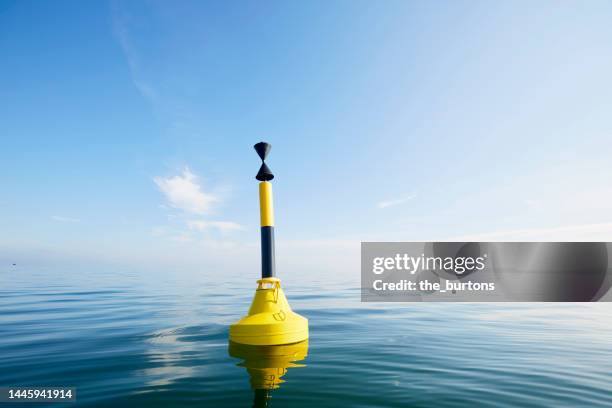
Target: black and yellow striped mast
column 266, row 212
column 270, row 320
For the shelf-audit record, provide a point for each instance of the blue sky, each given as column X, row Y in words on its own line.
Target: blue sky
column 127, row 127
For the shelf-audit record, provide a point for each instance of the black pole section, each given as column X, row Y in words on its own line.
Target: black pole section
column 268, row 267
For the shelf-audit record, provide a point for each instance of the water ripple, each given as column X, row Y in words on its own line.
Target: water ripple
column 165, row 344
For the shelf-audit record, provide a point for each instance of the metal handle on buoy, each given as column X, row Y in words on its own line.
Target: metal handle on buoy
column 274, row 284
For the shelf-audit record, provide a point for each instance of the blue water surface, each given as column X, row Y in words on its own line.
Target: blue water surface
column 133, row 338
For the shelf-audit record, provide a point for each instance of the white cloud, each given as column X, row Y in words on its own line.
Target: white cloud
column 120, row 20
column 532, row 203
column 583, row 232
column 222, row 226
column 158, row 231
column 60, row 218
column 183, row 192
column 394, row 202
column 182, row 238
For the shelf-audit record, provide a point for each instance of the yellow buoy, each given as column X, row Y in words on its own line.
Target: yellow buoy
column 270, row 320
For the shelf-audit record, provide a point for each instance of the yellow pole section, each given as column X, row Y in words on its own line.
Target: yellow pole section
column 266, row 208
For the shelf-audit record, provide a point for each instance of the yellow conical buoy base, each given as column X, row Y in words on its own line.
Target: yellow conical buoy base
column 270, row 320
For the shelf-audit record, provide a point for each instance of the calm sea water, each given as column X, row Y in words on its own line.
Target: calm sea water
column 141, row 339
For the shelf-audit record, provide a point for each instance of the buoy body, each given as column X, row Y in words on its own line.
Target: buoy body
column 270, row 320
